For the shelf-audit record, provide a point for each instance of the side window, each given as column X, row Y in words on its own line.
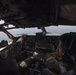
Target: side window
column 4, row 39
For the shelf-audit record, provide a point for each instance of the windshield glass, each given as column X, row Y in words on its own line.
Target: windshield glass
column 60, row 29
column 19, row 31
column 50, row 30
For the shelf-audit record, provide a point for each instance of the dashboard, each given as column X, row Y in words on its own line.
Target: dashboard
column 44, row 43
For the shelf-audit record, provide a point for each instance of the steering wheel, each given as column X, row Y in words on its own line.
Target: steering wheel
column 36, row 67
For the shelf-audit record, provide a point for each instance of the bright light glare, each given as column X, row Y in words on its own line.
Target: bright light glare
column 2, row 21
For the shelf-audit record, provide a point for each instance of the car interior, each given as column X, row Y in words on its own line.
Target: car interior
column 28, row 14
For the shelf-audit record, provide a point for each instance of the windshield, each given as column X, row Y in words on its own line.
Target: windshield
column 50, row 30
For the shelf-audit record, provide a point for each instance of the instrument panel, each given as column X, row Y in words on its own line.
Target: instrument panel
column 41, row 42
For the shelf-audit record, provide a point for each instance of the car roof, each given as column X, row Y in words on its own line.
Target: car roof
column 33, row 13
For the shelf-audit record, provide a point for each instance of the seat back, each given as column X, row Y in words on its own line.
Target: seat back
column 71, row 72
column 8, row 64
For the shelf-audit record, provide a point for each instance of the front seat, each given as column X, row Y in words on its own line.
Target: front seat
column 48, row 72
column 71, row 72
column 8, row 64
